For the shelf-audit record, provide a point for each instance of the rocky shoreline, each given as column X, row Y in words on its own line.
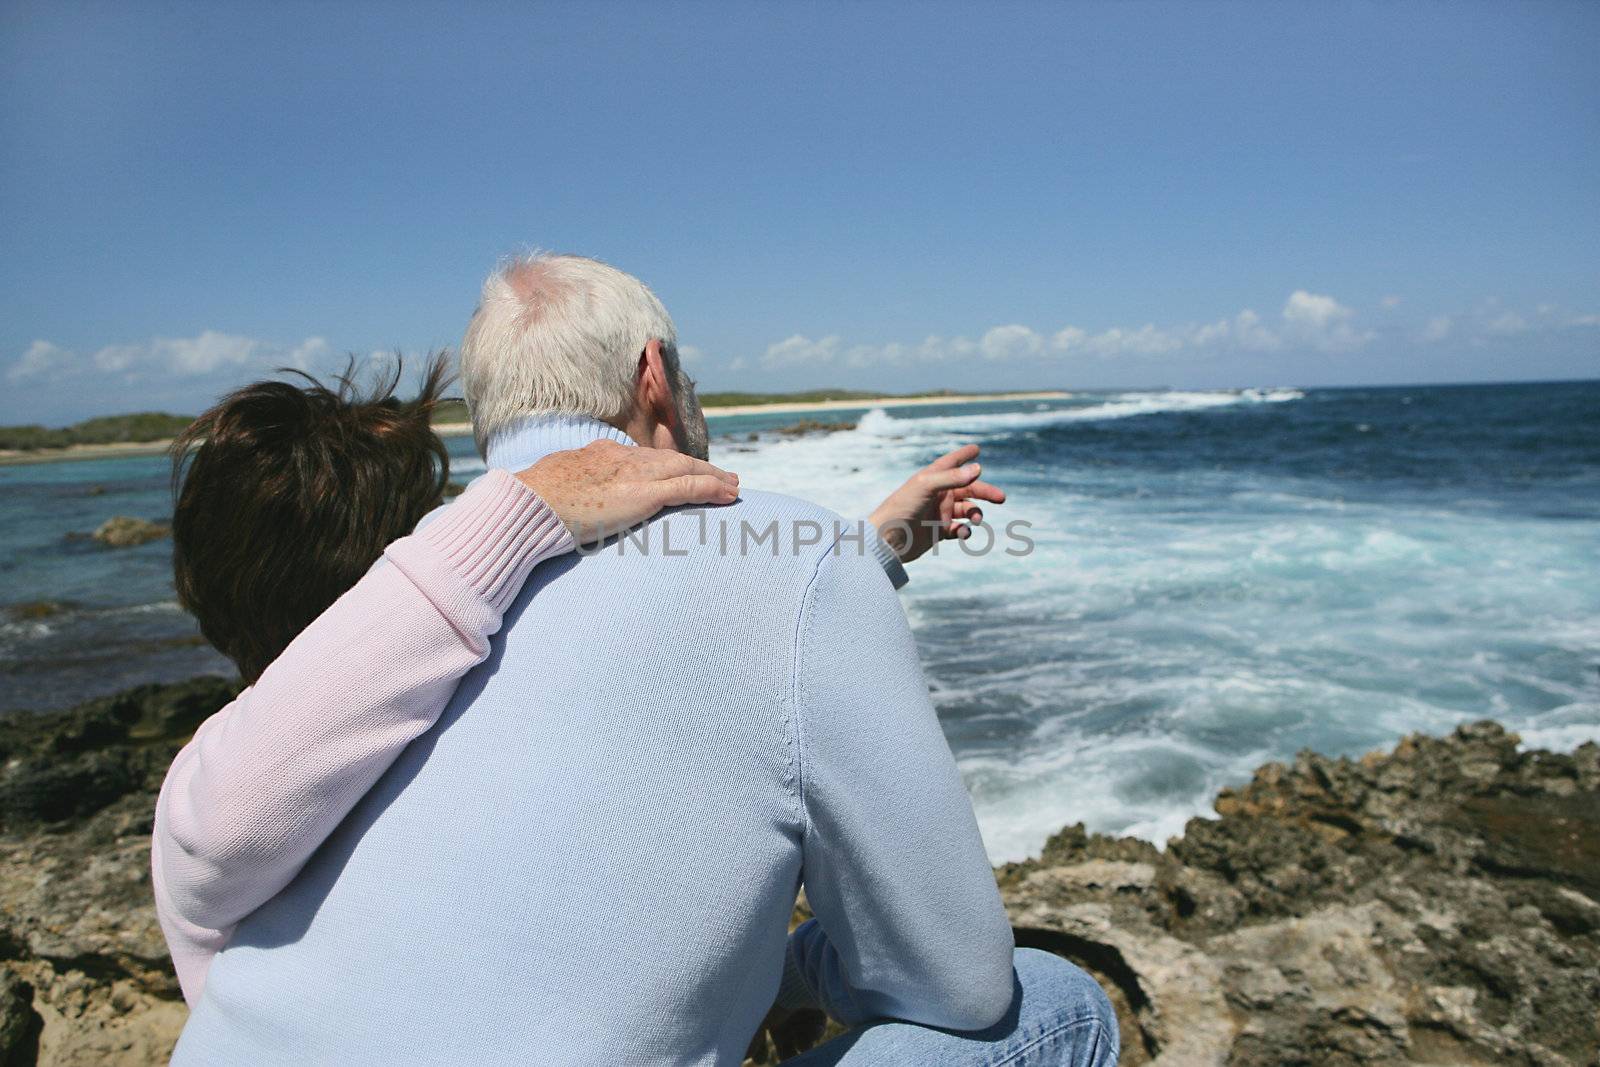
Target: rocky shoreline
column 1439, row 903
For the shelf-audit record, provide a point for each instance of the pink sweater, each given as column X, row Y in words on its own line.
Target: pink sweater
column 266, row 779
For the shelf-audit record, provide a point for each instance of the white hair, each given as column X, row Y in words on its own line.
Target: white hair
column 559, row 334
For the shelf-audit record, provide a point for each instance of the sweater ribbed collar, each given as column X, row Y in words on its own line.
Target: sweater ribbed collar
column 525, row 442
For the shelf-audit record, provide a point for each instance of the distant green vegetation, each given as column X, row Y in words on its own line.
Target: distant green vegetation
column 815, row 396
column 106, row 430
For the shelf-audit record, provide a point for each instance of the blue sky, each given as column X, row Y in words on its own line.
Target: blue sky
column 874, row 195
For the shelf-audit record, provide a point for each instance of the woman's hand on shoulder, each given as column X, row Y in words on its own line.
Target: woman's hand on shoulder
column 606, row 487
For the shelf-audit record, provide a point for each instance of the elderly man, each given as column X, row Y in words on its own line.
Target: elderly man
column 595, row 861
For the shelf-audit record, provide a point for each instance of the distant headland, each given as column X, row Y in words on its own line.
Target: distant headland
column 150, row 433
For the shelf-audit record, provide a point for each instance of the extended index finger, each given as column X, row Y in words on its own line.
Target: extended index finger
column 955, row 457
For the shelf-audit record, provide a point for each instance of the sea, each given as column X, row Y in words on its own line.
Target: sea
column 1210, row 580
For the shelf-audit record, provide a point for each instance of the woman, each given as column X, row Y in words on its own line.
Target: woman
column 293, row 546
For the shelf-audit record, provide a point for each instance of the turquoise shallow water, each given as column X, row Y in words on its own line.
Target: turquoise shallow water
column 1218, row 578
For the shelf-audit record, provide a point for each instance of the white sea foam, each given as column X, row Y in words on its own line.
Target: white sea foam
column 1559, row 738
column 1149, row 652
column 1174, row 630
column 13, row 634
column 17, row 635
column 878, row 422
column 159, row 607
column 1139, row 785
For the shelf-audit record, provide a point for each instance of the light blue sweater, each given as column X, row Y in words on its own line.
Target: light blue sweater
column 592, row 858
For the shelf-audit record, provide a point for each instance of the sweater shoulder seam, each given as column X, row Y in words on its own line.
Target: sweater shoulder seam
column 796, row 702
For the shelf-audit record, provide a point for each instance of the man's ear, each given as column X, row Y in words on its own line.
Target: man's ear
column 653, row 389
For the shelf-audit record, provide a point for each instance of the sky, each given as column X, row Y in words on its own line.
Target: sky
column 871, row 195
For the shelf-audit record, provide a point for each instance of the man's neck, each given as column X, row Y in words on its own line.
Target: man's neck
column 525, row 442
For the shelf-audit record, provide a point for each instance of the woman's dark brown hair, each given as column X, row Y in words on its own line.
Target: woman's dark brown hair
column 287, row 493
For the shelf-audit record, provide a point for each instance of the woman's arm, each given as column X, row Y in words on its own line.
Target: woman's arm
column 267, row 778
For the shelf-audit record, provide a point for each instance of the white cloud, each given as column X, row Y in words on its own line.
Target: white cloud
column 1491, row 321
column 377, row 358
column 1313, row 310
column 691, row 355
column 1308, row 320
column 937, row 348
column 1244, row 332
column 1146, row 340
column 308, row 353
column 799, row 349
column 38, row 361
column 1251, row 334
column 1554, row 316
column 210, row 354
column 1011, row 342
column 1506, row 323
column 1321, row 322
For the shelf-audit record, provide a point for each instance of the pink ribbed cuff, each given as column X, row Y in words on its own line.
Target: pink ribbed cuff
column 494, row 534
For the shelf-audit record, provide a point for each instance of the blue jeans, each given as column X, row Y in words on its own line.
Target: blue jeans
column 1059, row 1017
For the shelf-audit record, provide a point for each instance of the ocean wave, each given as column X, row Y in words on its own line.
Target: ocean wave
column 76, row 622
column 16, row 632
column 1151, row 652
column 1140, row 784
column 157, row 607
column 1272, row 396
column 878, row 422
column 1559, row 738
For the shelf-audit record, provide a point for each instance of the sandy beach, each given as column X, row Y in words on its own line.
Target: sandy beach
column 10, row 457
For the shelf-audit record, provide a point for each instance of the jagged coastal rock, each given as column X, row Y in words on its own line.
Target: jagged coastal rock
column 88, row 980
column 125, row 531
column 1435, row 904
column 805, row 426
